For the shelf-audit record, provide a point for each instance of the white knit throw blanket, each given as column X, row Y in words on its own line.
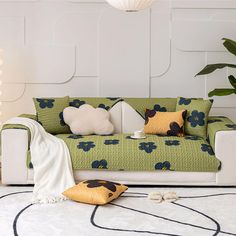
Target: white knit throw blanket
column 51, row 161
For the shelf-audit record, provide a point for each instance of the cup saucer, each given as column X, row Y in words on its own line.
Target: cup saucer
column 134, row 137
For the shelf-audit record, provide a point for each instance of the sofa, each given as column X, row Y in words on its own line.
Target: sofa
column 156, row 160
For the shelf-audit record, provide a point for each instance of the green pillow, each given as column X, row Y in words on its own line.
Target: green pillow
column 197, row 115
column 50, row 114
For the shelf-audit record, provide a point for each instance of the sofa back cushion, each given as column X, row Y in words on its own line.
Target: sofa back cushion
column 197, row 115
column 49, row 113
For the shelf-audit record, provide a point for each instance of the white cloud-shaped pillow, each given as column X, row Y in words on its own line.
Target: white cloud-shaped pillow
column 87, row 120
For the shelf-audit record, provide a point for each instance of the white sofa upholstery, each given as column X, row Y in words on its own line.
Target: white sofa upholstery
column 126, row 120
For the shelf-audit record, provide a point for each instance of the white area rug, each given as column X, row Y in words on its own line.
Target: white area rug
column 199, row 211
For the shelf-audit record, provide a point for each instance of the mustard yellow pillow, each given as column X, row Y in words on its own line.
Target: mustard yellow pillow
column 165, row 123
column 96, row 192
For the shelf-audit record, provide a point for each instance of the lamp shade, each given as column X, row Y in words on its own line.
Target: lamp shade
column 130, row 5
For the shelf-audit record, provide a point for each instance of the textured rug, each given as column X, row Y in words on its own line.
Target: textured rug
column 199, row 211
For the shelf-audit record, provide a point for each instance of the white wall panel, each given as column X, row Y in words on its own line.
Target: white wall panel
column 81, row 29
column 87, row 48
column 180, row 80
column 124, row 53
column 198, row 35
column 38, row 64
column 160, row 38
column 12, row 30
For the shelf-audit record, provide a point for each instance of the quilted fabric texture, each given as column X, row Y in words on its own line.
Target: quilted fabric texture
column 218, row 123
column 120, row 152
column 95, row 192
column 157, row 104
column 165, row 123
column 197, row 115
column 50, row 114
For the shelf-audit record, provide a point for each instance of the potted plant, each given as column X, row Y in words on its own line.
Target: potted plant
column 230, row 45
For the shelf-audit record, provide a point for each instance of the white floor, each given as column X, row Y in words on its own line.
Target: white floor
column 133, row 214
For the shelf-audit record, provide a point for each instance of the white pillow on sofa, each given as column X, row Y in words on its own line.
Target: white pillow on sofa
column 87, row 120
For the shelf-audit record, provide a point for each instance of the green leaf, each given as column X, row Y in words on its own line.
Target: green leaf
column 212, row 67
column 222, row 92
column 232, row 80
column 230, row 45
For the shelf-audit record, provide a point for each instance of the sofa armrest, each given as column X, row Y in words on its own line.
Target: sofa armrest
column 14, row 147
column 222, row 137
column 217, row 124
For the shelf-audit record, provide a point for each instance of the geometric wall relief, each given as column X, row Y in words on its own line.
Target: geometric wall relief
column 76, row 87
column 202, row 35
column 38, row 63
column 11, row 92
column 203, row 4
column 11, row 30
column 124, row 53
column 219, row 79
column 81, row 29
column 160, row 38
column 180, row 80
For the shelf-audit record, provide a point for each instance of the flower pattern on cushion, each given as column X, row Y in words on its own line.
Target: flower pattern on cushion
column 102, row 164
column 231, row 126
column 207, row 148
column 157, row 107
column 213, row 121
column 196, row 118
column 31, row 165
column 74, row 136
column 163, row 165
column 86, row 146
column 149, row 113
column 111, row 142
column 102, row 183
column 175, row 130
column 45, row 103
column 77, row 103
column 148, row 147
column 103, row 106
column 193, row 138
column 184, row 101
column 62, row 122
column 172, row 142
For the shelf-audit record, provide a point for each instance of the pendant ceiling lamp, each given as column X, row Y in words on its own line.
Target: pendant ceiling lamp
column 130, row 5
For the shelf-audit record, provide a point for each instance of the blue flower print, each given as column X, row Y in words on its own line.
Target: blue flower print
column 113, row 98
column 184, row 101
column 193, row 138
column 103, row 106
column 77, row 103
column 231, row 126
column 196, row 118
column 86, row 146
column 45, row 103
column 147, row 147
column 111, row 142
column 102, row 164
column 74, row 136
column 62, row 122
column 172, row 142
column 157, row 107
column 163, row 165
column 207, row 148
column 213, row 121
column 31, row 165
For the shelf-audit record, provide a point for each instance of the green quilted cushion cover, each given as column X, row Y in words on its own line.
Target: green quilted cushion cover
column 105, row 103
column 119, row 152
column 197, row 115
column 50, row 114
column 157, row 104
column 218, row 123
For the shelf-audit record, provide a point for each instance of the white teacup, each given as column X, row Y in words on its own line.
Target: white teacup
column 139, row 134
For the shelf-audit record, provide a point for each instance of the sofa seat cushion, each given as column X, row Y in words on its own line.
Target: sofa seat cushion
column 119, row 152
